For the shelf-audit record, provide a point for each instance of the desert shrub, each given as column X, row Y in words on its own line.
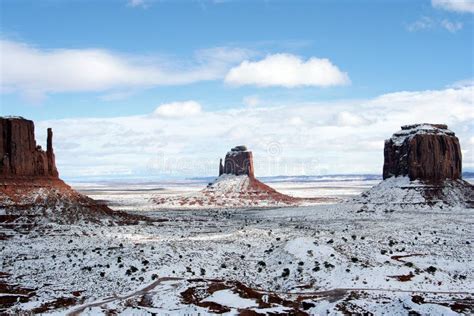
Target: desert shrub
column 431, row 269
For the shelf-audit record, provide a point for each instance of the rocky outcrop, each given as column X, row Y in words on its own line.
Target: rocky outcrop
column 236, row 187
column 20, row 156
column 221, row 168
column 52, row 170
column 238, row 161
column 427, row 152
column 30, row 188
column 422, row 169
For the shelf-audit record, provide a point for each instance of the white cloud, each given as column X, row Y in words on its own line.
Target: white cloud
column 296, row 121
column 427, row 23
column 346, row 118
column 35, row 72
column 453, row 27
column 116, row 96
column 423, row 23
column 251, row 100
column 288, row 71
column 137, row 3
column 454, row 5
column 178, row 109
column 335, row 137
column 462, row 83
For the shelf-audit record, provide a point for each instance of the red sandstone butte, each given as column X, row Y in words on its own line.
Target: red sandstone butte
column 236, row 187
column 30, row 184
column 20, row 156
column 422, row 168
column 238, row 161
column 427, row 152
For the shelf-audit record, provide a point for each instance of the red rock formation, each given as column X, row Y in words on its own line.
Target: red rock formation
column 221, row 168
column 52, row 170
column 239, row 161
column 19, row 154
column 229, row 191
column 427, row 152
column 430, row 154
column 30, row 186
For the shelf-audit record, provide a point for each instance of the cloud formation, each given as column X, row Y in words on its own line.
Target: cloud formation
column 311, row 138
column 427, row 23
column 178, row 109
column 35, row 72
column 453, row 27
column 454, row 5
column 287, row 71
column 137, row 3
column 251, row 100
column 346, row 118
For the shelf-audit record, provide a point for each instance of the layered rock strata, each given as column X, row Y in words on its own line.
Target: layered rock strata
column 30, row 187
column 427, row 152
column 238, row 161
column 20, row 156
column 422, row 169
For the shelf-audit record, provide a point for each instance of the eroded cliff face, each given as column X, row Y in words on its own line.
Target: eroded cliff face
column 427, row 152
column 238, row 161
column 20, row 156
column 422, row 169
column 30, row 188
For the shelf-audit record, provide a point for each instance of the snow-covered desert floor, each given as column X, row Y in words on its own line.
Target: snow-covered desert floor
column 317, row 260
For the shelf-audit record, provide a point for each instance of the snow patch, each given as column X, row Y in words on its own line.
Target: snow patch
column 229, row 191
column 396, row 193
column 304, row 247
column 408, row 131
column 230, row 299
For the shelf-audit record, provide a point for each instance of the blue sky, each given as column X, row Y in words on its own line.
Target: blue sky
column 76, row 60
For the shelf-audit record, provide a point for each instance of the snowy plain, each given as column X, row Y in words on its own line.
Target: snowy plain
column 326, row 259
